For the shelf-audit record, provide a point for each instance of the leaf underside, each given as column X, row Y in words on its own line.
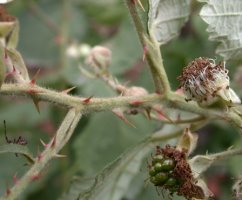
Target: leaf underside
column 166, row 18
column 224, row 19
column 17, row 149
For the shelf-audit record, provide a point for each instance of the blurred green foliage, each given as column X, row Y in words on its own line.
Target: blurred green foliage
column 99, row 137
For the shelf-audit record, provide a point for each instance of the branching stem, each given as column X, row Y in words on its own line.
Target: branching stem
column 151, row 51
column 52, row 149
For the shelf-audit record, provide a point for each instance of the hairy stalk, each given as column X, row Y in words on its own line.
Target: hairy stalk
column 51, row 151
column 226, row 154
column 100, row 104
column 151, row 51
column 65, row 100
column 178, row 102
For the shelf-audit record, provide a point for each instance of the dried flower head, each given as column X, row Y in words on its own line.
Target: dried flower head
column 204, row 81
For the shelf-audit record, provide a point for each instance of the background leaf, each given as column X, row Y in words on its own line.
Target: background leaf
column 224, row 24
column 17, row 149
column 166, row 17
column 113, row 182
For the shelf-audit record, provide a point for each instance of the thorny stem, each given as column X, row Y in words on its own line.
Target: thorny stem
column 62, row 137
column 68, row 101
column 100, row 104
column 226, row 154
column 152, row 52
column 77, row 105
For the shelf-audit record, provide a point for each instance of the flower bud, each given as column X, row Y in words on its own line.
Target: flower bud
column 78, row 50
column 99, row 57
column 135, row 91
column 204, row 81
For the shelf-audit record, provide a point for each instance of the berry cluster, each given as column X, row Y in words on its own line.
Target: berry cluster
column 170, row 170
column 161, row 173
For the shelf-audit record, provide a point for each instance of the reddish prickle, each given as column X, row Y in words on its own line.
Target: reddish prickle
column 35, row 177
column 87, row 100
column 53, row 143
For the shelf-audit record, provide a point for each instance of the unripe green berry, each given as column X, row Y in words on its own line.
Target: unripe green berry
column 158, row 158
column 152, row 171
column 168, row 165
column 161, row 177
column 153, row 180
column 158, row 167
column 171, row 182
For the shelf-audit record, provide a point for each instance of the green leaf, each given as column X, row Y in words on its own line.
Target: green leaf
column 106, row 137
column 166, row 17
column 39, row 38
column 126, row 50
column 223, row 18
column 103, row 11
column 113, row 182
column 17, row 149
column 200, row 163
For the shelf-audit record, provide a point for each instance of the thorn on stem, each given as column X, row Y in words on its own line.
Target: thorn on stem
column 33, row 81
column 43, row 143
column 145, row 51
column 60, row 156
column 36, row 102
column 87, row 100
column 68, row 90
column 35, row 177
column 12, row 72
column 123, row 118
column 53, row 142
column 15, row 179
